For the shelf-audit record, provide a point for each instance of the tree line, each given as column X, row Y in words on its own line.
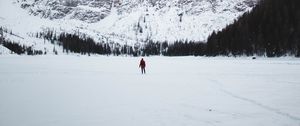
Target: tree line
column 86, row 45
column 16, row 47
column 272, row 28
column 75, row 43
column 20, row 49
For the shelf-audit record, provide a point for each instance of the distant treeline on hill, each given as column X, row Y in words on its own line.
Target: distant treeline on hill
column 83, row 45
column 16, row 47
column 75, row 43
column 21, row 49
column 272, row 28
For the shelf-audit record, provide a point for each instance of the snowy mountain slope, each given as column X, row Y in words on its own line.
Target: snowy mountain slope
column 123, row 21
column 4, row 50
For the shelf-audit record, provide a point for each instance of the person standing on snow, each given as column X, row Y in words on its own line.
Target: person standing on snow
column 142, row 66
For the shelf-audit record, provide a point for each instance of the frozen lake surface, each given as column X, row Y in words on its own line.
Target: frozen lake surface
column 176, row 91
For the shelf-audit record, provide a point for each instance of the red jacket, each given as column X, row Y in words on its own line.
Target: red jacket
column 142, row 63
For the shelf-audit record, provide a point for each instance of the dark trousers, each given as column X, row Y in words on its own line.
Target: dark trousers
column 143, row 70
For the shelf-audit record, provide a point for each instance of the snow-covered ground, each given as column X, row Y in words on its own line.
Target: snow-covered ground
column 110, row 91
column 4, row 50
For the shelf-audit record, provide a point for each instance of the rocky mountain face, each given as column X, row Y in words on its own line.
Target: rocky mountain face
column 92, row 11
column 141, row 20
column 85, row 10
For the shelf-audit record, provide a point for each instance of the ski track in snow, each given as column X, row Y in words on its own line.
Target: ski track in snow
column 277, row 111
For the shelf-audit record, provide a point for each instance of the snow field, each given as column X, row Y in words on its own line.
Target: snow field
column 176, row 91
column 4, row 50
